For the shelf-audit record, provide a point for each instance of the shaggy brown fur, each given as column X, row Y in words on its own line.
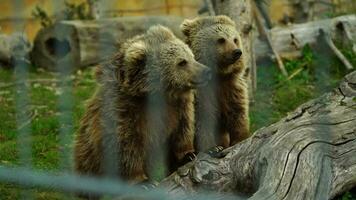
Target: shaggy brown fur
column 222, row 105
column 144, row 103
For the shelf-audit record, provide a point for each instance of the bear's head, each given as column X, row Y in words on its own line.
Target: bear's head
column 215, row 42
column 159, row 61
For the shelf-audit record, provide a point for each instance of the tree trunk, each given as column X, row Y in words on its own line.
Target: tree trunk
column 241, row 12
column 289, row 41
column 13, row 47
column 84, row 43
column 310, row 154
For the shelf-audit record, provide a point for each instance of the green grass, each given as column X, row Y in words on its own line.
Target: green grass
column 43, row 109
column 348, row 195
column 275, row 97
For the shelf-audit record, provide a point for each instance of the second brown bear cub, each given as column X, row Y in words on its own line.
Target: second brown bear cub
column 222, row 105
column 145, row 102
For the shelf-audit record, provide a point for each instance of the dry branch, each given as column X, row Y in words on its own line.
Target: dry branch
column 265, row 32
column 337, row 52
column 310, row 154
column 296, row 72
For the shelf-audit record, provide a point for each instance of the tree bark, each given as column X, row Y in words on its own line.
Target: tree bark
column 310, row 154
column 84, row 43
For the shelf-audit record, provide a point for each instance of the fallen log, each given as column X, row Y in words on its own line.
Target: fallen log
column 13, row 47
column 80, row 44
column 83, row 43
column 289, row 41
column 310, row 154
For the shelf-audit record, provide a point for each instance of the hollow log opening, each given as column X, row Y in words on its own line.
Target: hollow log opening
column 57, row 48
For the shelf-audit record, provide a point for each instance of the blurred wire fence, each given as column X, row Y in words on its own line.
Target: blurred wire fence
column 66, row 181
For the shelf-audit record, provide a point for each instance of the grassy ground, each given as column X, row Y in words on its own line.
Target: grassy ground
column 45, row 126
column 276, row 96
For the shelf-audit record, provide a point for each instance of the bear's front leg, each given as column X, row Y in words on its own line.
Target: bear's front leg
column 237, row 124
column 181, row 147
column 132, row 158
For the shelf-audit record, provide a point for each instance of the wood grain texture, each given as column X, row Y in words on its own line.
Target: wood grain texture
column 310, row 154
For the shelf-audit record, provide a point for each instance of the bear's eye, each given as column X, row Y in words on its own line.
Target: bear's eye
column 183, row 63
column 235, row 40
column 221, row 40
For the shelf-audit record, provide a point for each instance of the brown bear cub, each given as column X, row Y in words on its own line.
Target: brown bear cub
column 222, row 105
column 144, row 103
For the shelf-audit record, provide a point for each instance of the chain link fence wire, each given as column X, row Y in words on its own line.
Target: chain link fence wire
column 70, row 183
column 66, row 181
column 23, row 118
column 109, row 115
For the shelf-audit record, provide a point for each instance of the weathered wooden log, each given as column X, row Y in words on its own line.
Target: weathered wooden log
column 310, row 154
column 83, row 43
column 288, row 41
column 13, row 47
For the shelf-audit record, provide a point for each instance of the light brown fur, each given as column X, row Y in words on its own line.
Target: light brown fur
column 222, row 105
column 144, row 104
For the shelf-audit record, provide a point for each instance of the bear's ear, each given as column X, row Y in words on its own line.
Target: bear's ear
column 135, row 61
column 160, row 33
column 223, row 19
column 136, row 53
column 187, row 26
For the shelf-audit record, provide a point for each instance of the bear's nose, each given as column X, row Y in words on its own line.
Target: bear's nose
column 237, row 54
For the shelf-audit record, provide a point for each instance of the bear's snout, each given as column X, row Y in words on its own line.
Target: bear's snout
column 204, row 76
column 230, row 58
column 236, row 54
